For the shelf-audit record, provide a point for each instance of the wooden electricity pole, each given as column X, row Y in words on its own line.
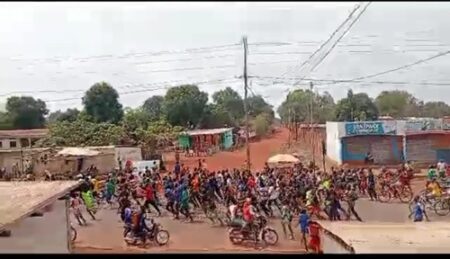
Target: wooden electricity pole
column 247, row 144
column 311, row 87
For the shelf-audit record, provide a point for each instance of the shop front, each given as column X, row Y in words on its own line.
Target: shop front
column 371, row 142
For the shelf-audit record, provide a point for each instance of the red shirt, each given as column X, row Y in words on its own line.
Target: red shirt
column 251, row 183
column 247, row 214
column 149, row 192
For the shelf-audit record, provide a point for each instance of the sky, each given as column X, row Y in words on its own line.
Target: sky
column 56, row 51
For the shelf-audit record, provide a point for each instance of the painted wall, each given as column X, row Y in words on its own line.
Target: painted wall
column 370, row 128
column 227, row 139
column 333, row 144
column 428, row 148
column 384, row 149
column 47, row 234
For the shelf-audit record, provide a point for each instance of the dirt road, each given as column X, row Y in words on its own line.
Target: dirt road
column 105, row 235
column 260, row 151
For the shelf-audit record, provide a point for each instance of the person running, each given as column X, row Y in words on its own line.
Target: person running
column 351, row 197
column 418, row 211
column 75, row 204
column 303, row 222
column 89, row 202
column 150, row 199
column 286, row 219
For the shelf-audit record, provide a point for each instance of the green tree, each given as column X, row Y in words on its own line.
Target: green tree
column 5, row 121
column 357, row 107
column 70, row 115
column 101, row 103
column 153, row 106
column 184, row 104
column 82, row 133
column 257, row 105
column 231, row 102
column 261, row 124
column 297, row 107
column 156, row 136
column 26, row 112
column 214, row 116
column 436, row 109
column 397, row 104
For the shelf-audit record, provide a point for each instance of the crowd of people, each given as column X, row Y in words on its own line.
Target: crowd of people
column 237, row 195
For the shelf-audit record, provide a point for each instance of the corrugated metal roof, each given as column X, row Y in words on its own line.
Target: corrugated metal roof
column 207, row 131
column 370, row 237
column 29, row 133
column 20, row 199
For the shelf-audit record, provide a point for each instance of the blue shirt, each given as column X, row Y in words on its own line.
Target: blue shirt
column 177, row 169
column 127, row 216
column 303, row 221
column 418, row 212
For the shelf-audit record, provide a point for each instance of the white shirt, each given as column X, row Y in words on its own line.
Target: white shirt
column 441, row 166
column 232, row 209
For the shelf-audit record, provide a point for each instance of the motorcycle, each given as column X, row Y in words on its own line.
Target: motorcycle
column 156, row 234
column 261, row 231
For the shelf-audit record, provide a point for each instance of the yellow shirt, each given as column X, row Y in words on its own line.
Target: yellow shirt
column 97, row 185
column 435, row 189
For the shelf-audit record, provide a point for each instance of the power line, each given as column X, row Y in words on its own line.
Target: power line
column 403, row 67
column 128, row 86
column 336, row 42
column 145, row 90
column 141, row 54
column 336, row 81
column 328, row 40
column 343, row 34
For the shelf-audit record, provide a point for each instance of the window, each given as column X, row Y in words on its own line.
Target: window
column 12, row 144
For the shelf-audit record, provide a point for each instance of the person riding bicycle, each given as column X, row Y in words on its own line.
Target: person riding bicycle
column 441, row 168
column 434, row 188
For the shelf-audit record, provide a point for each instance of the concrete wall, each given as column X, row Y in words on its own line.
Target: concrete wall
column 333, row 142
column 330, row 245
column 47, row 234
column 385, row 149
column 428, row 148
column 104, row 162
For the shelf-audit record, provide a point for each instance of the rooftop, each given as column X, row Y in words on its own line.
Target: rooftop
column 28, row 133
column 207, row 131
column 20, row 199
column 368, row 237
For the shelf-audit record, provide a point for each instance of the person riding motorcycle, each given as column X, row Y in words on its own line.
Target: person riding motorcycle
column 248, row 214
column 138, row 224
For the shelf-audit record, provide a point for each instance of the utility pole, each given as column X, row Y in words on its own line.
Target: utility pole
column 247, row 144
column 289, row 125
column 311, row 87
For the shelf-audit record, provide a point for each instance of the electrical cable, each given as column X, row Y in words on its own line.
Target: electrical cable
column 336, row 42
column 146, row 90
column 324, row 43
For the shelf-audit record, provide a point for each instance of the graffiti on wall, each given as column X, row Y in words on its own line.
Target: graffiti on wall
column 370, row 128
column 422, row 125
column 446, row 123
